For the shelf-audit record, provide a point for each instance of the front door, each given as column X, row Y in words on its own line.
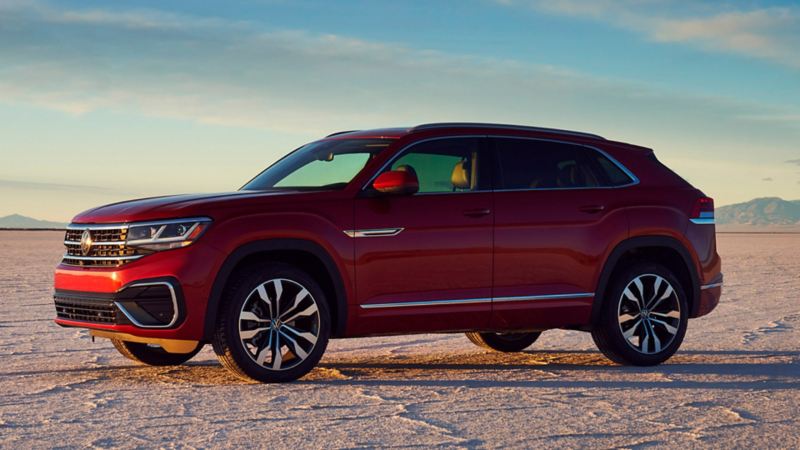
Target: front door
column 424, row 261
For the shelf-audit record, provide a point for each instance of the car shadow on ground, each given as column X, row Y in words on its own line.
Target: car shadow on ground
column 738, row 370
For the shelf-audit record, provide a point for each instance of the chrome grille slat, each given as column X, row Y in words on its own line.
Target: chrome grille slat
column 109, row 247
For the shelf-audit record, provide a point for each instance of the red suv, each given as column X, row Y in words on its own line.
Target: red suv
column 497, row 231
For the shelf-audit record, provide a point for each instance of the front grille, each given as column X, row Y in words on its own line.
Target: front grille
column 85, row 310
column 108, row 247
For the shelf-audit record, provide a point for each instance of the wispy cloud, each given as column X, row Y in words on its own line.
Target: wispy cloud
column 771, row 33
column 767, row 179
column 237, row 73
column 794, row 161
column 64, row 187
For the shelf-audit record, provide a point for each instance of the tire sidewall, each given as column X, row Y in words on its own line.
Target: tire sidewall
column 230, row 322
column 611, row 308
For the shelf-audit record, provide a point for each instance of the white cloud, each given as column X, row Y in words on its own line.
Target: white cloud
column 91, row 62
column 768, row 33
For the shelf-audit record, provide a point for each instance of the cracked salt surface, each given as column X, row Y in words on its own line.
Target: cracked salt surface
column 735, row 383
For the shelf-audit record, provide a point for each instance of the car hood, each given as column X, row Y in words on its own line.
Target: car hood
column 168, row 207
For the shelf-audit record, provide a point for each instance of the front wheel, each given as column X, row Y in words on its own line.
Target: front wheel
column 274, row 324
column 644, row 316
column 152, row 355
column 504, row 342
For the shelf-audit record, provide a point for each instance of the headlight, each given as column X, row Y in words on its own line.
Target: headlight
column 166, row 234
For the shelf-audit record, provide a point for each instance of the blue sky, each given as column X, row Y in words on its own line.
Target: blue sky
column 102, row 101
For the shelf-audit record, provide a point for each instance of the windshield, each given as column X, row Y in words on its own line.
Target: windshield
column 319, row 165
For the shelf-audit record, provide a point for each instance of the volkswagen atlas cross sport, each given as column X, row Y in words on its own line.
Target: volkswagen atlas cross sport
column 497, row 231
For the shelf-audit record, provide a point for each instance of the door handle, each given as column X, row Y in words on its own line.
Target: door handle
column 592, row 209
column 477, row 212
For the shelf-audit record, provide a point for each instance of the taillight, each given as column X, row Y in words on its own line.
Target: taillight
column 703, row 211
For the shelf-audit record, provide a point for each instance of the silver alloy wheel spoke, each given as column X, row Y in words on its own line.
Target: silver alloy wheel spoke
column 249, row 315
column 262, row 354
column 670, row 329
column 627, row 293
column 250, row 334
column 672, row 314
column 656, row 340
column 284, row 339
column 278, row 293
column 297, row 300
column 653, row 326
column 627, row 317
column 307, row 336
column 666, row 295
column 632, row 330
column 295, row 347
column 312, row 309
column 262, row 294
column 277, row 356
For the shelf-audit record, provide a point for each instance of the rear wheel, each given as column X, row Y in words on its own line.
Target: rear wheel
column 643, row 318
column 274, row 324
column 504, row 342
column 152, row 355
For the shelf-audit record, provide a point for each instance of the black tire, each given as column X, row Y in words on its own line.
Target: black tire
column 648, row 327
column 504, row 342
column 305, row 337
column 152, row 356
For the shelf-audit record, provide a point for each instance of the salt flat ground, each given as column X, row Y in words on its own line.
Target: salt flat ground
column 735, row 382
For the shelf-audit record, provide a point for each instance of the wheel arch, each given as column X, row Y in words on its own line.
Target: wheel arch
column 659, row 249
column 294, row 251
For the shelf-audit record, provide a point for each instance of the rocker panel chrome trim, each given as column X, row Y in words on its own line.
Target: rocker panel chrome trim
column 477, row 300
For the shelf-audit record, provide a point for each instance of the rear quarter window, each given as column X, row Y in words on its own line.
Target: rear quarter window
column 541, row 164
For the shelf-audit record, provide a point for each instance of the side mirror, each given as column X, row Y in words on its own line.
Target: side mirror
column 396, row 182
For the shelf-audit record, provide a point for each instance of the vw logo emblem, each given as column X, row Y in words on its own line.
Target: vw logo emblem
column 86, row 242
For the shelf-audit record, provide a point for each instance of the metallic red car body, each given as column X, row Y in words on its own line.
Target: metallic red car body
column 458, row 258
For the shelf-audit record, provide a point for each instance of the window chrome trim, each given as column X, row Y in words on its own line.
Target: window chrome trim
column 155, row 283
column 466, row 301
column 374, row 232
column 634, row 179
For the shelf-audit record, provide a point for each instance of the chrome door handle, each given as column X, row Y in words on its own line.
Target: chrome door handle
column 477, row 212
column 592, row 209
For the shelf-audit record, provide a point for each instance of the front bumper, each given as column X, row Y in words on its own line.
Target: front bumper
column 163, row 295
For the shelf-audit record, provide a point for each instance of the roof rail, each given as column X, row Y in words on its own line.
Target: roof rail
column 430, row 126
column 341, row 132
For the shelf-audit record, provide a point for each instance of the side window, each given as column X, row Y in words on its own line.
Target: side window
column 532, row 164
column 445, row 165
column 609, row 173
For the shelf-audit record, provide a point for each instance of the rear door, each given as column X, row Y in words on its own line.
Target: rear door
column 424, row 261
column 555, row 216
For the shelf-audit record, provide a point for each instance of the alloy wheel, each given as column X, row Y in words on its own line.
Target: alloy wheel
column 279, row 324
column 649, row 313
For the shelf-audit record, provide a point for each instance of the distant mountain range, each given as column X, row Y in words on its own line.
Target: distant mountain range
column 23, row 222
column 760, row 212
